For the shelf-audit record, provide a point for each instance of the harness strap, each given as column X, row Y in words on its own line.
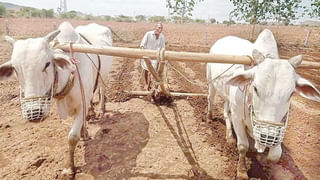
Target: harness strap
column 99, row 65
column 66, row 88
column 75, row 62
column 97, row 77
column 221, row 74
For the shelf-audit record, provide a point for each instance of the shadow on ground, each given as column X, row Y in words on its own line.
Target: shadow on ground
column 113, row 152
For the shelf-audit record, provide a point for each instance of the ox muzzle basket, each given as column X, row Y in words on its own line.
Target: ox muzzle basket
column 268, row 134
column 36, row 108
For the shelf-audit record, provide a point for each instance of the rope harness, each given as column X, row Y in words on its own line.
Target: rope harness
column 97, row 68
column 75, row 62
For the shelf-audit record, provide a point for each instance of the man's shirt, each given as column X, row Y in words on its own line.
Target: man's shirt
column 149, row 41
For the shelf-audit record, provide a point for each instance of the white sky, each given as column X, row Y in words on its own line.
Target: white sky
column 218, row 9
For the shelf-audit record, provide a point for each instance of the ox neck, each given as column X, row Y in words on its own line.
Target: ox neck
column 62, row 80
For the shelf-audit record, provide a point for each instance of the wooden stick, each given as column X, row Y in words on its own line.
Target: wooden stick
column 152, row 54
column 307, row 38
column 169, row 55
column 178, row 94
column 155, row 75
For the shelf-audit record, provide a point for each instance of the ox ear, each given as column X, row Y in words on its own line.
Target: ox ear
column 241, row 79
column 51, row 35
column 6, row 70
column 258, row 57
column 10, row 39
column 62, row 60
column 305, row 89
column 295, row 61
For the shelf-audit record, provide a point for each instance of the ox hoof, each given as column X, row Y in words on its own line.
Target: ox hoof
column 84, row 134
column 66, row 174
column 231, row 141
column 91, row 114
column 102, row 114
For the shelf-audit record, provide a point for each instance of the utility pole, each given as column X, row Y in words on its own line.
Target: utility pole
column 63, row 6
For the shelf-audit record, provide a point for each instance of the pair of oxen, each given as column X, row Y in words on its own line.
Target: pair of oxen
column 257, row 99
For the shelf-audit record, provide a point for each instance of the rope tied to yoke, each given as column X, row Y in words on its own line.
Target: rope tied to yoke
column 76, row 62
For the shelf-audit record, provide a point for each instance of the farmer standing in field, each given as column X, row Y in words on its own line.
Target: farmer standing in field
column 152, row 40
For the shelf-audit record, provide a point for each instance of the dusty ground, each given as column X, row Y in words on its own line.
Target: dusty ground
column 137, row 139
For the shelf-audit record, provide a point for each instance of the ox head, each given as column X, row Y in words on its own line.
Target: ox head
column 272, row 82
column 34, row 63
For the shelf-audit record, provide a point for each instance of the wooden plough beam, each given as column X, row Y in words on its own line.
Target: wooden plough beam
column 155, row 54
column 162, row 55
column 169, row 55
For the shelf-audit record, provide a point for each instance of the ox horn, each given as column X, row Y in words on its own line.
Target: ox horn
column 51, row 35
column 10, row 39
column 295, row 61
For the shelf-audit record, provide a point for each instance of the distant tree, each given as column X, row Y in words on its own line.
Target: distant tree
column 2, row 11
column 123, row 18
column 140, row 18
column 50, row 13
column 11, row 13
column 175, row 19
column 228, row 22
column 46, row 13
column 212, row 20
column 25, row 12
column 182, row 8
column 69, row 15
column 107, row 18
column 200, row 21
column 256, row 11
column 315, row 8
column 89, row 17
column 157, row 19
column 251, row 11
column 285, row 11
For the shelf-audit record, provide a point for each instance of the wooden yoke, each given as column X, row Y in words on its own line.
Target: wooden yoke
column 155, row 75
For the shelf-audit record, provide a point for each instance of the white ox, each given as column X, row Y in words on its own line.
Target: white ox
column 43, row 71
column 257, row 99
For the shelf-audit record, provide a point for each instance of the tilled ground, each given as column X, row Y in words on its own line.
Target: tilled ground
column 137, row 139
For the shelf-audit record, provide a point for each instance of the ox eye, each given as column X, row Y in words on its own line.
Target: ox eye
column 46, row 66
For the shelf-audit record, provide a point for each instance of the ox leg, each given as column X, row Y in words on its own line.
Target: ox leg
column 229, row 137
column 211, row 94
column 73, row 138
column 242, row 144
column 274, row 154
column 242, row 169
column 91, row 113
column 102, row 99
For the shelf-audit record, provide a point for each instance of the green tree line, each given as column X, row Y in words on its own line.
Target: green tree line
column 250, row 11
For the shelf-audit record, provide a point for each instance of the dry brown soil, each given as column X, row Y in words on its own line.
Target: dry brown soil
column 137, row 139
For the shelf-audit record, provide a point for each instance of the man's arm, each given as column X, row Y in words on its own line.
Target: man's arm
column 144, row 41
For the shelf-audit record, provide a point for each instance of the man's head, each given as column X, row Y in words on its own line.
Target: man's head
column 158, row 28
